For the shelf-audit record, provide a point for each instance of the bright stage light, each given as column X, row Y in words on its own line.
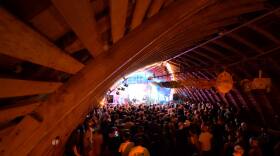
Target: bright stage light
column 141, row 90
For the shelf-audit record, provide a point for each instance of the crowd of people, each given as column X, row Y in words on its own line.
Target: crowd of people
column 174, row 129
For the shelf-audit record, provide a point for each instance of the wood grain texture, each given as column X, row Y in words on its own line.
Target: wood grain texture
column 118, row 13
column 139, row 12
column 80, row 16
column 9, row 113
column 19, row 41
column 74, row 98
column 155, row 7
column 13, row 87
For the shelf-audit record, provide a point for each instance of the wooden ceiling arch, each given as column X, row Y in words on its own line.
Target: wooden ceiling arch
column 91, row 44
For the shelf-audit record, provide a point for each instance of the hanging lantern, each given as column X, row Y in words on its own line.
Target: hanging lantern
column 259, row 83
column 224, row 82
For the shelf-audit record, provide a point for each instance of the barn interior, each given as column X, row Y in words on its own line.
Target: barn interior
column 60, row 59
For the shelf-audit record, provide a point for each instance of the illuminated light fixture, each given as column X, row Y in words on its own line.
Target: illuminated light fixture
column 56, row 141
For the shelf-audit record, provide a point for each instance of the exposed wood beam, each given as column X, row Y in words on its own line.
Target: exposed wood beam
column 103, row 25
column 12, row 87
column 225, row 33
column 80, row 16
column 7, row 130
column 205, row 56
column 264, row 33
column 244, row 41
column 167, row 3
column 50, row 23
column 155, row 7
column 11, row 112
column 212, row 50
column 118, row 13
column 228, row 47
column 188, row 60
column 19, row 41
column 75, row 46
column 139, row 12
column 196, row 59
column 74, row 98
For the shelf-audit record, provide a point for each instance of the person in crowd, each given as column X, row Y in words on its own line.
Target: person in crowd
column 205, row 140
column 174, row 129
column 126, row 145
column 139, row 150
column 87, row 141
column 73, row 145
column 238, row 151
column 97, row 141
column 255, row 150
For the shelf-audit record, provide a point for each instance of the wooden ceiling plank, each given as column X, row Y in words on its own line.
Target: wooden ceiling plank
column 139, row 12
column 205, row 56
column 244, row 41
column 196, row 59
column 19, row 41
column 7, row 130
column 75, row 46
column 212, row 50
column 10, row 113
column 14, row 87
column 118, row 14
column 167, row 3
column 264, row 33
column 228, row 47
column 50, row 23
column 103, row 25
column 155, row 7
column 80, row 16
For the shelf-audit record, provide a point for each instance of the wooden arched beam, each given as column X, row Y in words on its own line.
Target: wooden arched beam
column 265, row 33
column 189, row 61
column 212, row 50
column 64, row 109
column 194, row 58
column 205, row 56
column 244, row 41
column 228, row 47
